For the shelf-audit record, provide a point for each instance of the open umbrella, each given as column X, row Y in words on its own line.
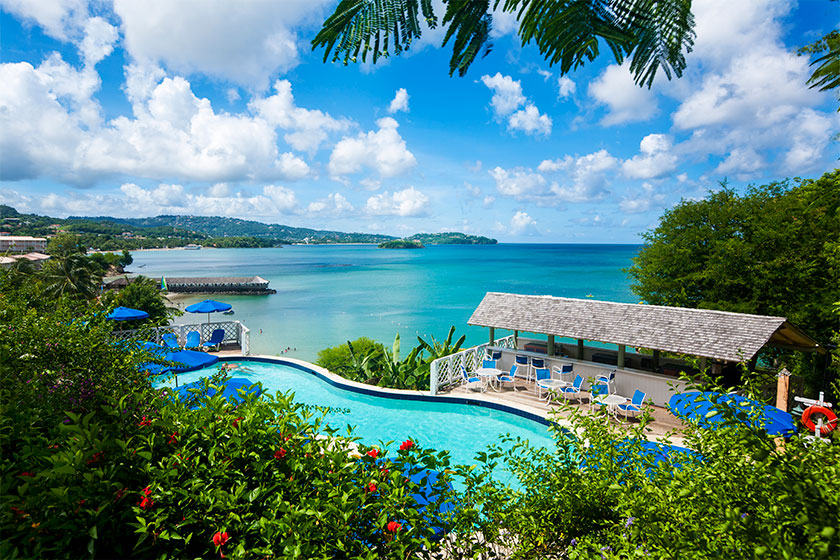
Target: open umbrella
column 705, row 408
column 126, row 314
column 207, row 306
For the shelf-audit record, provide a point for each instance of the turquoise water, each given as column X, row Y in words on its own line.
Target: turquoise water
column 464, row 430
column 327, row 294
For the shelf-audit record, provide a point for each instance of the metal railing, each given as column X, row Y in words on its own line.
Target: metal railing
column 446, row 371
column 235, row 332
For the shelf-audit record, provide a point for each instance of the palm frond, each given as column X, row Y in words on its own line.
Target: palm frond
column 469, row 23
column 826, row 75
column 359, row 28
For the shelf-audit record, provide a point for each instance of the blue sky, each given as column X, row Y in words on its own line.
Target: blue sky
column 132, row 109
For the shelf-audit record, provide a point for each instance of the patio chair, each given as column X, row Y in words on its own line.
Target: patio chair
column 573, row 390
column 508, row 378
column 635, row 404
column 607, row 378
column 493, row 354
column 565, row 371
column 171, row 341
column 595, row 391
column 472, row 382
column 520, row 370
column 216, row 339
column 193, row 340
column 489, row 364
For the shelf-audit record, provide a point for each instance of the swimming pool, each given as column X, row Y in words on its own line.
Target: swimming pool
column 460, row 428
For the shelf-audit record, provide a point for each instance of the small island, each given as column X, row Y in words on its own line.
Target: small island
column 401, row 244
column 452, row 238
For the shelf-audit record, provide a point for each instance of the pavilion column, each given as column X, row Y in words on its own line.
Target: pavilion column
column 580, row 349
column 655, row 360
column 492, row 335
column 620, row 362
column 516, row 340
column 703, row 363
column 550, row 349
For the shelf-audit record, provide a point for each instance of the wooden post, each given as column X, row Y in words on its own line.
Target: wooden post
column 516, row 340
column 703, row 363
column 492, row 335
column 655, row 360
column 620, row 363
column 550, row 349
column 782, row 389
column 580, row 349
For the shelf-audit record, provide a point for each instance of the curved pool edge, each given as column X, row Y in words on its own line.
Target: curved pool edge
column 530, row 413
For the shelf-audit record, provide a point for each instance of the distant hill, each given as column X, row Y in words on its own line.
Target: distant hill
column 109, row 233
column 451, row 238
column 401, row 244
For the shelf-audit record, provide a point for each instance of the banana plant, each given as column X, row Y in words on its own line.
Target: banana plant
column 440, row 349
column 402, row 374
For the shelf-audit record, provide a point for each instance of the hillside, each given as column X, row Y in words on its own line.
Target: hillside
column 451, row 238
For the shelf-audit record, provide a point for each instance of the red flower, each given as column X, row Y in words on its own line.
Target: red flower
column 236, row 422
column 147, row 491
column 145, row 422
column 372, row 487
column 280, row 453
column 146, row 503
column 220, row 538
column 406, row 445
column 96, row 457
column 373, row 453
column 393, row 526
column 26, row 473
column 173, row 438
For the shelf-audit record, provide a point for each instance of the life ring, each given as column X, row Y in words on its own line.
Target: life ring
column 829, row 423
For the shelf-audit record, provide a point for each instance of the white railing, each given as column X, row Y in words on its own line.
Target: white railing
column 446, row 371
column 235, row 332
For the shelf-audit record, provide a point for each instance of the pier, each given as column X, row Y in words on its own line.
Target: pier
column 220, row 285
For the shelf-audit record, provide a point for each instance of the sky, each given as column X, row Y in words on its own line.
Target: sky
column 218, row 108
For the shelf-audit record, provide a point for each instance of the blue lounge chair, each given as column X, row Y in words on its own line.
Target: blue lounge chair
column 523, row 370
column 635, row 404
column 216, row 339
column 607, row 378
column 544, row 381
column 574, row 390
column 193, row 340
column 595, row 391
column 565, row 371
column 472, row 382
column 490, row 364
column 171, row 341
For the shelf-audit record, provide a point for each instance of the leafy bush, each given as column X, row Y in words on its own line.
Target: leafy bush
column 342, row 359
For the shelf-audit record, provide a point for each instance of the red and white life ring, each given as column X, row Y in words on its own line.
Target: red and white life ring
column 829, row 423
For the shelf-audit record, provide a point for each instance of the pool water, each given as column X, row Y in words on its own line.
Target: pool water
column 462, row 429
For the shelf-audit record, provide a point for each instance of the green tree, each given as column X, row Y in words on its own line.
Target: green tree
column 144, row 294
column 74, row 275
column 66, row 244
column 653, row 35
column 774, row 250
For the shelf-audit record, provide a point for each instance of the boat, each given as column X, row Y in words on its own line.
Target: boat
column 192, row 247
column 228, row 312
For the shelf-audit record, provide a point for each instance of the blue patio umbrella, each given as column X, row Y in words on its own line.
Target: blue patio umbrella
column 126, row 314
column 705, row 409
column 207, row 306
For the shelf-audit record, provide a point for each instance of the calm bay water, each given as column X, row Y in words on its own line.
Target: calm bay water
column 329, row 294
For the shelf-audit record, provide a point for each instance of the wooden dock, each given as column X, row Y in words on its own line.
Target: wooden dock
column 219, row 285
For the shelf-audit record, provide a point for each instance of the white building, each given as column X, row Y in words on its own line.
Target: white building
column 22, row 244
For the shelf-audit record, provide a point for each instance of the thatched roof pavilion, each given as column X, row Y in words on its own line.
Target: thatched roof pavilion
column 718, row 335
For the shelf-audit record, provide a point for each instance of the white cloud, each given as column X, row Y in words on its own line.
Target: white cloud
column 99, row 40
column 173, row 199
column 565, row 87
column 530, row 121
column 585, row 178
column 740, row 160
column 335, row 204
column 407, row 202
column 518, row 182
column 507, row 93
column 308, row 128
column 383, row 150
column 655, row 160
column 242, row 42
column 647, row 199
column 61, row 19
column 400, row 102
column 626, row 101
column 523, row 224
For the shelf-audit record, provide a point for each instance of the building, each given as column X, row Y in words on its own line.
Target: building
column 22, row 244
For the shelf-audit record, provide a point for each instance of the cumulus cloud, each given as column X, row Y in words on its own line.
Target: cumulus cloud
column 586, row 178
column 519, row 183
column 407, row 202
column 523, row 224
column 655, row 159
column 61, row 19
column 565, row 87
column 173, row 199
column 506, row 102
column 400, row 102
column 639, row 202
column 335, row 204
column 626, row 102
column 244, row 43
column 308, row 128
column 383, row 151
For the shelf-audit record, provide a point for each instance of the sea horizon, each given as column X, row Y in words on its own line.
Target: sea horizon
column 328, row 294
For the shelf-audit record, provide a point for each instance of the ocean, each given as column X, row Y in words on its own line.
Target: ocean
column 328, row 294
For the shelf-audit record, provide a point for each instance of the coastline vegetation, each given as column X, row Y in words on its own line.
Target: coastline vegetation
column 401, row 244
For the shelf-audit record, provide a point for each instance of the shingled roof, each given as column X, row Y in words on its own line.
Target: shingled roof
column 718, row 335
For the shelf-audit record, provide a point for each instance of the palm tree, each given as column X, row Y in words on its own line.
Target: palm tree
column 653, row 34
column 73, row 275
